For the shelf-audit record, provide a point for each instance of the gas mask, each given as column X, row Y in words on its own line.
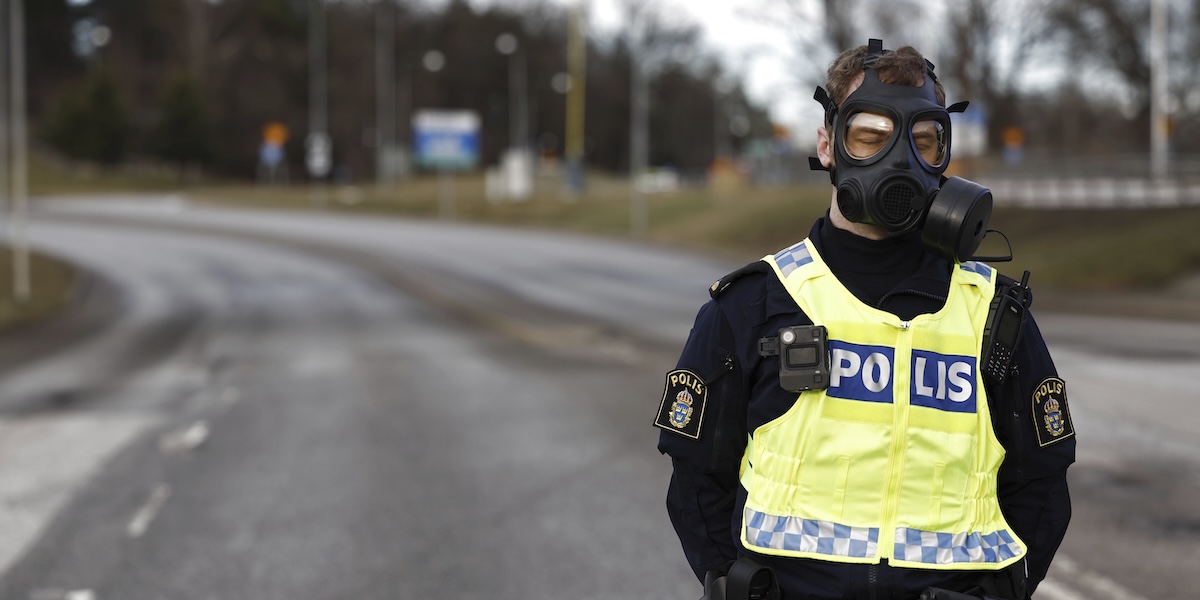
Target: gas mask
column 891, row 146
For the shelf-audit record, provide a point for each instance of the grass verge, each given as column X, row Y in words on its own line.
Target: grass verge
column 52, row 282
column 1076, row 250
column 1123, row 249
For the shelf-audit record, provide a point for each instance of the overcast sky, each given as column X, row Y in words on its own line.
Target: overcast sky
column 753, row 50
column 758, row 50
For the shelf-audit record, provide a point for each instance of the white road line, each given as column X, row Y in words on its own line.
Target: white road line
column 145, row 515
column 186, row 439
column 1050, row 589
column 58, row 594
column 44, row 461
column 1099, row 585
column 1069, row 581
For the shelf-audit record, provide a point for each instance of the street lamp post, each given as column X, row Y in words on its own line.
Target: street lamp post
column 639, row 136
column 576, row 99
column 4, row 138
column 516, row 165
column 507, row 44
column 1159, row 119
column 639, row 120
column 722, row 86
column 385, row 94
column 18, row 151
column 318, row 147
column 434, row 61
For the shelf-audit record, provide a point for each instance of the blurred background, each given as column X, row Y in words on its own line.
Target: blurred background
column 372, row 298
column 190, row 85
column 1074, row 103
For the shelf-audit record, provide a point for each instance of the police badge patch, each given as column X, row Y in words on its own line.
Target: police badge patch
column 682, row 407
column 1051, row 418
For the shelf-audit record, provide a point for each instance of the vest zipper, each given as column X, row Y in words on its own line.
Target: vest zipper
column 901, row 375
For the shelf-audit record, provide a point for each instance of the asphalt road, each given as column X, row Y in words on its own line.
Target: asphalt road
column 306, row 405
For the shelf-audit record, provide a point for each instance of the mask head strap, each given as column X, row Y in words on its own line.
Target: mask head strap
column 822, row 96
column 874, row 51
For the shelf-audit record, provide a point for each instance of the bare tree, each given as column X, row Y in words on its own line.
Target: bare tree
column 1110, row 34
column 248, row 61
column 988, row 47
column 1185, row 82
column 817, row 30
column 820, row 29
column 1111, row 39
column 651, row 42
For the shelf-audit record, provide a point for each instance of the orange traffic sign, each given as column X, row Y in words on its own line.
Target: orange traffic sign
column 275, row 133
column 1014, row 137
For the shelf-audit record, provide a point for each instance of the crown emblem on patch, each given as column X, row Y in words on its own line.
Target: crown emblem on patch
column 1051, row 417
column 681, row 410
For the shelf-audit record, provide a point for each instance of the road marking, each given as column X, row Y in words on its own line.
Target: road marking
column 1050, row 589
column 185, row 440
column 1100, row 585
column 53, row 594
column 1085, row 585
column 145, row 515
column 45, row 460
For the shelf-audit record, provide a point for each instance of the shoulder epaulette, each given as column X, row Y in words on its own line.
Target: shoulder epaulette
column 723, row 283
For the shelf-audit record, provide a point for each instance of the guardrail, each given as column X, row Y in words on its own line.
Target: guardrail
column 1092, row 192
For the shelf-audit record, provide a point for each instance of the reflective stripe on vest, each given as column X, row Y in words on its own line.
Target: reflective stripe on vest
column 896, row 459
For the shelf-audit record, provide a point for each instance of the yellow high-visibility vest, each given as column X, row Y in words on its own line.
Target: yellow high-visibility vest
column 896, row 459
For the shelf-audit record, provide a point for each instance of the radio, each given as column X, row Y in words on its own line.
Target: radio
column 1006, row 321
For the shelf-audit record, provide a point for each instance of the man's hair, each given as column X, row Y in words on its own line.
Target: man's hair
column 903, row 66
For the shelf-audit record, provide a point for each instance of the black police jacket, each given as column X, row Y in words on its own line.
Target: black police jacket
column 704, row 498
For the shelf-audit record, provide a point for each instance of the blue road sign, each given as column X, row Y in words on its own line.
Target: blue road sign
column 446, row 139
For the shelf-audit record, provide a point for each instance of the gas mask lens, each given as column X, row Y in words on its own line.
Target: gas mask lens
column 930, row 140
column 867, row 134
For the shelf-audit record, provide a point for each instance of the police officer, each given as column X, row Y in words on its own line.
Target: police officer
column 905, row 458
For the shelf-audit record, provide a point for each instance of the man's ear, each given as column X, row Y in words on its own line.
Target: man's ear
column 824, row 150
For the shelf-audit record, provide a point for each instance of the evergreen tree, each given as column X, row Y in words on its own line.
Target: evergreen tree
column 182, row 133
column 89, row 122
